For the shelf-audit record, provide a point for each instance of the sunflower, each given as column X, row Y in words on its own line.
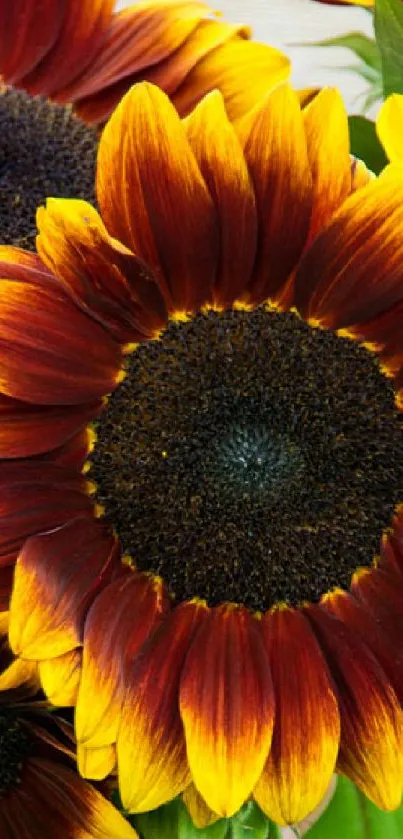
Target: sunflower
column 218, row 591
column 40, row 791
column 84, row 53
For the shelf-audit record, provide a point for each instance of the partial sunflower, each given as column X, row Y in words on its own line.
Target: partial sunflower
column 240, row 300
column 389, row 124
column 40, row 791
column 369, row 4
column 83, row 53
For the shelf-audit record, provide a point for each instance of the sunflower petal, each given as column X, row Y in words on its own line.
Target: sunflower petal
column 200, row 814
column 112, row 635
column 382, row 595
column 73, row 807
column 151, row 748
column 326, row 128
column 80, row 36
column 27, row 430
column 306, row 731
column 389, row 124
column 149, row 187
column 355, row 615
column 27, row 32
column 371, row 718
column 275, row 149
column 96, row 764
column 222, row 164
column 226, row 69
column 227, row 707
column 103, row 277
column 50, row 351
column 35, row 499
column 138, row 39
column 57, row 576
column 60, row 678
column 353, row 270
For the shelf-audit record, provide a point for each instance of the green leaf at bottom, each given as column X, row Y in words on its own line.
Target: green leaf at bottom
column 350, row 815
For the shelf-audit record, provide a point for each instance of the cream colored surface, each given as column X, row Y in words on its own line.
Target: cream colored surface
column 285, row 23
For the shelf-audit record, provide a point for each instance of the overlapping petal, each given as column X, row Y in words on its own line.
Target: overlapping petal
column 162, row 65
column 58, row 574
column 152, row 761
column 37, row 498
column 112, row 637
column 306, row 731
column 104, row 279
column 60, row 678
column 51, row 353
column 275, row 149
column 149, row 187
column 80, row 34
column 326, row 128
column 219, row 155
column 27, row 430
column 27, row 32
column 73, row 807
column 371, row 717
column 353, row 270
column 226, row 69
column 227, row 708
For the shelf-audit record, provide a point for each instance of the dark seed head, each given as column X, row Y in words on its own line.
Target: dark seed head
column 249, row 457
column 44, row 152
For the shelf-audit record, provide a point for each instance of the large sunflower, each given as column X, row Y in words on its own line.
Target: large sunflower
column 82, row 52
column 241, row 300
column 40, row 791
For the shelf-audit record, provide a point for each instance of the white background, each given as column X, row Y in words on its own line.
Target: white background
column 284, row 23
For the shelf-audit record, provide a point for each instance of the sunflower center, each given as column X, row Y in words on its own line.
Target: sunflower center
column 249, row 457
column 15, row 746
column 44, row 151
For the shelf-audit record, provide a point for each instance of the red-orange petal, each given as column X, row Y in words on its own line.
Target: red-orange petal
column 353, row 270
column 27, row 32
column 355, row 614
column 117, row 625
column 226, row 68
column 382, row 594
column 326, row 128
column 151, row 749
column 71, row 806
column 140, row 38
column 275, row 149
column 219, row 156
column 35, row 498
column 80, row 36
column 104, row 278
column 50, row 351
column 154, row 199
column 227, row 707
column 74, row 453
column 58, row 574
column 371, row 717
column 306, row 730
column 27, row 430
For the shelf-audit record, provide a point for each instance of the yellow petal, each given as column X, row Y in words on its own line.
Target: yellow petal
column 389, row 126
column 60, row 678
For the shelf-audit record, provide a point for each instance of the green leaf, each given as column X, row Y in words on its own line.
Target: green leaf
column 350, row 815
column 365, row 143
column 158, row 823
column 361, row 45
column 187, row 830
column 389, row 36
column 250, row 823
